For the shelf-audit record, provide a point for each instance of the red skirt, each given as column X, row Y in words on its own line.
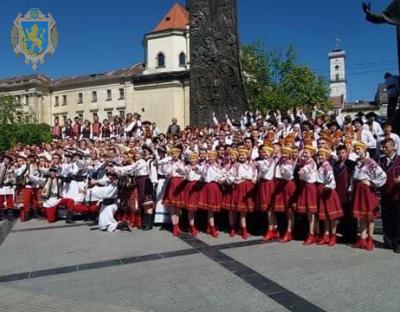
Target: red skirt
column 191, row 194
column 365, row 202
column 329, row 207
column 173, row 195
column 211, row 198
column 243, row 198
column 227, row 197
column 266, row 189
column 284, row 195
column 307, row 198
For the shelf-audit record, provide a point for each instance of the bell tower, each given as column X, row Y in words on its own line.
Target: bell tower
column 338, row 82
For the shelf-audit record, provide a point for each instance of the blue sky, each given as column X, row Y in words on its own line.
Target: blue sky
column 101, row 35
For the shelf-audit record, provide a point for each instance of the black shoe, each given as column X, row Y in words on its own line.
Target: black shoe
column 396, row 249
column 69, row 218
column 148, row 222
column 123, row 226
column 35, row 214
column 1, row 214
column 93, row 223
column 10, row 214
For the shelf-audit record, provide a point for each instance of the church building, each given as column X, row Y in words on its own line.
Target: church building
column 157, row 89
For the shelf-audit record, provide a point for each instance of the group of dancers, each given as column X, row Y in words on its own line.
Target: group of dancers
column 273, row 166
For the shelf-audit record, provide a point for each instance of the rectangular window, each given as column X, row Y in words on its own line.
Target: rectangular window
column 109, row 115
column 122, row 114
column 121, row 93
column 80, row 116
column 64, row 102
column 64, row 119
column 18, row 99
column 337, row 77
column 57, row 103
column 80, row 98
column 109, row 95
column 26, row 99
column 94, row 96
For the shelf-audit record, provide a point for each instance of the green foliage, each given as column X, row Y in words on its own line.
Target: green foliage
column 274, row 80
column 13, row 130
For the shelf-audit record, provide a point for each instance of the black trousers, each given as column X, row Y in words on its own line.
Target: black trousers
column 390, row 211
column 348, row 225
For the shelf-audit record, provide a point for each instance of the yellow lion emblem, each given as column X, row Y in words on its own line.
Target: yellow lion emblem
column 33, row 35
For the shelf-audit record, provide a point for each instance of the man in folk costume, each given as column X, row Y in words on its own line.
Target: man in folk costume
column 51, row 195
column 56, row 130
column 76, row 128
column 285, row 193
column 329, row 207
column 106, row 192
column 211, row 195
column 7, row 180
column 96, row 127
column 74, row 182
column 192, row 190
column 367, row 176
column 307, row 192
column 343, row 169
column 244, row 176
column 173, row 196
column 161, row 215
column 390, row 203
column 266, row 189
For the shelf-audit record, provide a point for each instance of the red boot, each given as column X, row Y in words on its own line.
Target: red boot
column 324, row 240
column 332, row 241
column 370, row 244
column 193, row 231
column 176, row 231
column 286, row 238
column 271, row 235
column 310, row 240
column 232, row 232
column 361, row 243
column 213, row 232
column 245, row 234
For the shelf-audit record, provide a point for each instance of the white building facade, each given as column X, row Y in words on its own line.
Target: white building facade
column 157, row 89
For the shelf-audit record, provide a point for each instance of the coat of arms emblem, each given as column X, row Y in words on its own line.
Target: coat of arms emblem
column 34, row 35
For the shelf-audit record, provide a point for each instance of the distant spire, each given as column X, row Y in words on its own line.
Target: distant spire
column 337, row 43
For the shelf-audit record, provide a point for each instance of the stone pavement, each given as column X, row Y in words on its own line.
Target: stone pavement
column 59, row 267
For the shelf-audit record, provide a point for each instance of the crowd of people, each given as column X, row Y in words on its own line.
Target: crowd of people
column 126, row 174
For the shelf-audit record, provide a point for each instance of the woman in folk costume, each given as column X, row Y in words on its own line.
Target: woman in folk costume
column 173, row 196
column 211, row 195
column 128, row 208
column 285, row 194
column 228, row 188
column 192, row 189
column 266, row 189
column 140, row 169
column 329, row 207
column 307, row 192
column 367, row 176
column 243, row 198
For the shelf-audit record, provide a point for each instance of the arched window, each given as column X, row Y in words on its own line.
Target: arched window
column 160, row 60
column 182, row 59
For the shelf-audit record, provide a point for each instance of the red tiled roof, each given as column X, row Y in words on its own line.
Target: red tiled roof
column 176, row 18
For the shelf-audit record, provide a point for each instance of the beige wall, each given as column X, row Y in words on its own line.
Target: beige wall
column 161, row 102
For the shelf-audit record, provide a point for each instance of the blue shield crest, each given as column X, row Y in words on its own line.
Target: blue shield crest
column 35, row 36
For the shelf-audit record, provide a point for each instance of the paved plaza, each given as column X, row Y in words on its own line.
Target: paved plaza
column 62, row 267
